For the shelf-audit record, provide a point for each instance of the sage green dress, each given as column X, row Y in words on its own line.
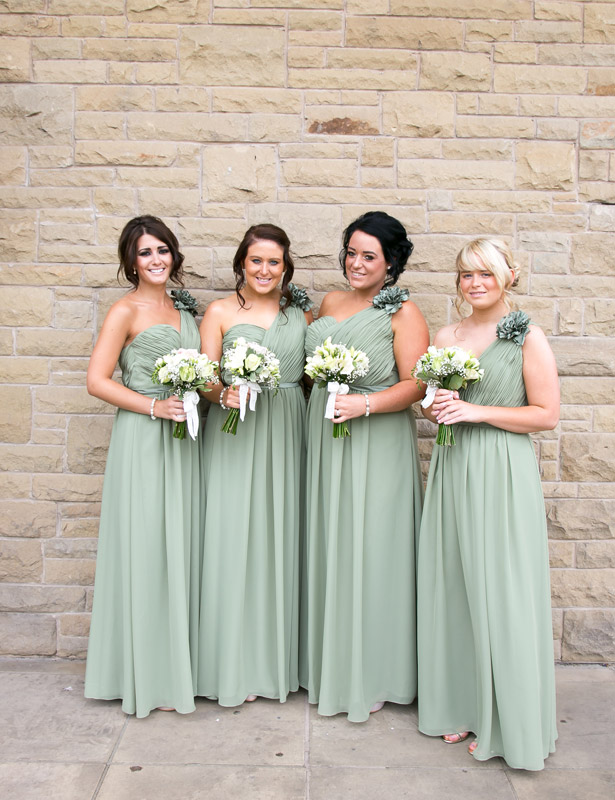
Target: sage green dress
column 146, row 597
column 484, row 607
column 358, row 622
column 253, row 481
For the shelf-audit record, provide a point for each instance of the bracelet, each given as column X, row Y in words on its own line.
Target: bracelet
column 222, row 406
column 151, row 408
column 366, row 396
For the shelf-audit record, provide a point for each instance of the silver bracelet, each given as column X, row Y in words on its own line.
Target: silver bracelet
column 222, row 406
column 366, row 396
column 151, row 408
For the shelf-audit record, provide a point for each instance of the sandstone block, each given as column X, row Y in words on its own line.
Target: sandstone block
column 114, row 98
column 65, row 343
column 538, row 79
column 587, row 457
column 170, row 202
column 600, row 317
column 20, row 561
column 351, row 79
column 580, row 518
column 25, row 306
column 25, row 370
column 378, row 152
column 299, row 221
column 587, row 356
column 250, row 100
column 13, row 165
column 592, row 253
column 593, row 165
column 70, row 571
column 72, row 647
column 69, row 71
column 27, row 635
column 67, row 488
column 425, row 114
column 595, row 555
column 577, row 390
column 514, row 53
column 601, row 81
column 561, row 554
column 589, row 635
column 599, row 23
column 343, row 120
column 471, row 224
column 49, row 599
column 598, row 192
column 115, row 201
column 464, row 9
column 88, row 443
column 211, row 232
column 30, row 458
column 258, row 56
column 249, row 16
column 490, row 149
column 423, row 174
column 15, row 485
column 414, row 34
column 500, row 201
column 71, row 548
column 16, row 240
column 552, row 10
column 15, row 65
column 319, row 172
column 488, row 126
column 604, row 418
column 156, row 154
column 239, row 173
column 552, row 129
column 274, row 128
column 602, row 218
column 26, row 518
column 570, row 317
column 378, row 177
column 74, row 625
column 545, row 165
column 370, row 58
column 548, row 31
column 189, row 126
column 181, row 11
column 466, row 72
column 488, row 31
column 578, row 587
column 16, row 419
column 599, row 133
column 80, row 528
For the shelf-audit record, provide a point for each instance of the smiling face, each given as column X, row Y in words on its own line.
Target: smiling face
column 480, row 288
column 154, row 260
column 264, row 266
column 366, row 266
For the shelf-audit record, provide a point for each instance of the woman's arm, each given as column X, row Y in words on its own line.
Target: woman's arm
column 113, row 336
column 541, row 386
column 212, row 335
column 410, row 341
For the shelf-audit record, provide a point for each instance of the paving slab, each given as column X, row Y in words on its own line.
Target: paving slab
column 342, row 783
column 264, row 732
column 46, row 718
column 23, row 781
column 582, row 784
column 389, row 738
column 196, row 782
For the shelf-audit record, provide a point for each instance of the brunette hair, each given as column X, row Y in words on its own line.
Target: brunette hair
column 271, row 233
column 490, row 255
column 393, row 238
column 127, row 247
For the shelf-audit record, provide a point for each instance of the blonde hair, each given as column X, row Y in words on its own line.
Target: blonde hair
column 490, row 255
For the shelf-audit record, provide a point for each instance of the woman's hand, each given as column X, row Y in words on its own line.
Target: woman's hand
column 171, row 408
column 349, row 406
column 442, row 398
column 230, row 397
column 452, row 410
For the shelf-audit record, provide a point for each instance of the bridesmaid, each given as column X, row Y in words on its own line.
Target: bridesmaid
column 253, row 481
column 364, row 492
column 484, row 606
column 145, row 615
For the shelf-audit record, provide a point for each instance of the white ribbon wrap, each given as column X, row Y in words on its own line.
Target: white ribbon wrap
column 429, row 396
column 334, row 388
column 191, row 401
column 245, row 388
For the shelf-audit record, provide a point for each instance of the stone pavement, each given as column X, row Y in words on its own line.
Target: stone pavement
column 56, row 745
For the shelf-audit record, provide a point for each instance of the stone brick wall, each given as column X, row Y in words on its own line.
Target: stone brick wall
column 461, row 117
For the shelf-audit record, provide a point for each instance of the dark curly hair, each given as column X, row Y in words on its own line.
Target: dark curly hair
column 396, row 247
column 270, row 233
column 127, row 247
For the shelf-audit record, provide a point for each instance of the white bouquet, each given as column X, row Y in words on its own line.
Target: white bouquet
column 446, row 368
column 336, row 366
column 251, row 366
column 184, row 371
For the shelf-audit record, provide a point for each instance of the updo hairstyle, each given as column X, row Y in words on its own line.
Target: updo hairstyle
column 491, row 255
column 393, row 238
column 127, row 248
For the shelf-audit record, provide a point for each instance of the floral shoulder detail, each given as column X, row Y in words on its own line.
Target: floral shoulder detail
column 390, row 299
column 184, row 301
column 299, row 298
column 514, row 326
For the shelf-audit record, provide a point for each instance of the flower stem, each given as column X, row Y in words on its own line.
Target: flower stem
column 446, row 435
column 340, row 430
column 230, row 423
column 179, row 431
